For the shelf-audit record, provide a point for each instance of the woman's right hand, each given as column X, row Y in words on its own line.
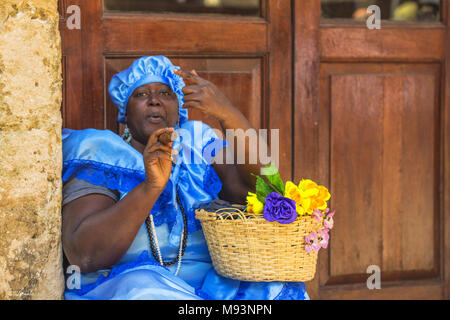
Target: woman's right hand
column 158, row 158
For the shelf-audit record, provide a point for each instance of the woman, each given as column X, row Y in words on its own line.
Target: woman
column 128, row 204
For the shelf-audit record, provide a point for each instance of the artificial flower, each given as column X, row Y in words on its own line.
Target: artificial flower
column 323, row 237
column 318, row 215
column 308, row 188
column 279, row 208
column 312, row 242
column 320, row 200
column 312, row 196
column 291, row 191
column 254, row 205
column 328, row 222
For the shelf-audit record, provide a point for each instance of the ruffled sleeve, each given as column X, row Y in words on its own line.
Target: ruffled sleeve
column 200, row 144
column 101, row 158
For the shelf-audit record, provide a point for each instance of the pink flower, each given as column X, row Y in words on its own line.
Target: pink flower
column 323, row 238
column 329, row 222
column 318, row 215
column 312, row 242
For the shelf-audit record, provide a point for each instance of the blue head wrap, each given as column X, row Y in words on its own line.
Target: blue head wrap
column 146, row 70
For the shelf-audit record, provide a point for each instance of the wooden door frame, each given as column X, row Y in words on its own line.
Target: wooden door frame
column 82, row 49
column 315, row 42
column 306, row 99
column 445, row 188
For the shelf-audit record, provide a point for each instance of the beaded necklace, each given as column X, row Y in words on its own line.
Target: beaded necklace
column 152, row 237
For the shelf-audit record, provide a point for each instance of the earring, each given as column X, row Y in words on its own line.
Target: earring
column 126, row 136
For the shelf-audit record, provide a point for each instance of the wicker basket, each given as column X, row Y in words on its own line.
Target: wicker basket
column 249, row 248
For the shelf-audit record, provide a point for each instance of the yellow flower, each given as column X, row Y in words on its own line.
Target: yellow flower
column 291, row 191
column 308, row 188
column 313, row 196
column 254, row 205
column 320, row 201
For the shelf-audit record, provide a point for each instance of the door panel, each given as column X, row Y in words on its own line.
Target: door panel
column 139, row 34
column 396, row 44
column 240, row 79
column 383, row 149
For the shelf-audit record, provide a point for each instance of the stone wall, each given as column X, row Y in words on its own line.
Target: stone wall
column 30, row 150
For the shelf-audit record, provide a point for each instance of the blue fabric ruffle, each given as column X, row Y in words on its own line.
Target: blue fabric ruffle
column 97, row 173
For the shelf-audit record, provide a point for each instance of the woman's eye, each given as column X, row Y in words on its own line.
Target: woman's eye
column 165, row 93
column 141, row 94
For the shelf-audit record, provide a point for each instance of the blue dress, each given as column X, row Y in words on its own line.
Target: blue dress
column 101, row 157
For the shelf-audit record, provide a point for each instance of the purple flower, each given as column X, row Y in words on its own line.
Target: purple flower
column 280, row 209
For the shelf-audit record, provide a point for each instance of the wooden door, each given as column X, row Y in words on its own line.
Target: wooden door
column 372, row 123
column 364, row 112
column 244, row 48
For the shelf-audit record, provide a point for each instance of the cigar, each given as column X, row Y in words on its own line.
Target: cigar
column 167, row 137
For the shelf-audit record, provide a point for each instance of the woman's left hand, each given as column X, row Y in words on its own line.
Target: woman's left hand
column 203, row 95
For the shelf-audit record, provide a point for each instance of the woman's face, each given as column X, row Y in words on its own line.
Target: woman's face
column 151, row 107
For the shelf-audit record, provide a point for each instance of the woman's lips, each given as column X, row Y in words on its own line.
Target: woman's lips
column 155, row 119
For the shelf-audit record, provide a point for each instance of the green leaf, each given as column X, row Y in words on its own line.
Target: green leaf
column 273, row 176
column 262, row 189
